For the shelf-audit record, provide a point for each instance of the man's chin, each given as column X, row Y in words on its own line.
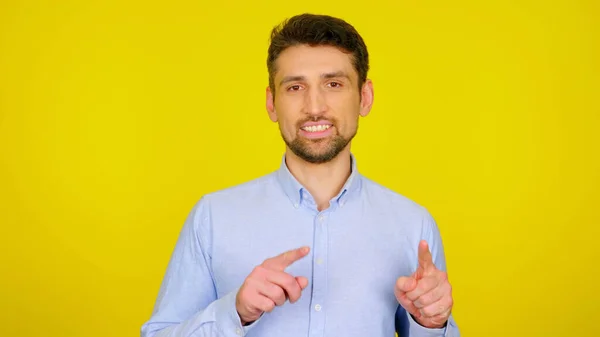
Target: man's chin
column 318, row 150
column 315, row 157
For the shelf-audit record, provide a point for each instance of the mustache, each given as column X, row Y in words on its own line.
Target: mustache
column 317, row 119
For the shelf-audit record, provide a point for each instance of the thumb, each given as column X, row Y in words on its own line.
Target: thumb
column 302, row 281
column 406, row 283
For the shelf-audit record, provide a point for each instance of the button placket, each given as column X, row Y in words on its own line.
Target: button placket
column 319, row 290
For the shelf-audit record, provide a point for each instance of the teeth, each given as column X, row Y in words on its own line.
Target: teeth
column 316, row 128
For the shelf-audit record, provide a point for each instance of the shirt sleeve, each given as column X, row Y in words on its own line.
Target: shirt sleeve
column 406, row 326
column 187, row 303
column 417, row 330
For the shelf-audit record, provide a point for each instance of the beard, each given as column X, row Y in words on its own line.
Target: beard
column 318, row 151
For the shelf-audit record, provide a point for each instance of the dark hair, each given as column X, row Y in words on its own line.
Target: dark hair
column 315, row 30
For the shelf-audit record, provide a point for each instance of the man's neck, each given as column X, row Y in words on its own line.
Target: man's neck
column 323, row 181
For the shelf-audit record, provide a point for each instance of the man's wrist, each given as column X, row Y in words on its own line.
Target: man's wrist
column 429, row 327
column 244, row 322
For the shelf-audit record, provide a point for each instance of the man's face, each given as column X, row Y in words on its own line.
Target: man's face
column 317, row 101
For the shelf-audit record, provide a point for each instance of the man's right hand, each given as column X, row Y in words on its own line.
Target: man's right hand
column 268, row 286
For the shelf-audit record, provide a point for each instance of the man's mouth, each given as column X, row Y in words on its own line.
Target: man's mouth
column 316, row 128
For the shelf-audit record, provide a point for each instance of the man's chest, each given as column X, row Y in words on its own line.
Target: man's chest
column 351, row 253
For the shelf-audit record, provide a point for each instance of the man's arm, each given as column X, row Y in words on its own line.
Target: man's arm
column 406, row 324
column 187, row 303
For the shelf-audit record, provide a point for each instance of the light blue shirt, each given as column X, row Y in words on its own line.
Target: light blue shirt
column 360, row 245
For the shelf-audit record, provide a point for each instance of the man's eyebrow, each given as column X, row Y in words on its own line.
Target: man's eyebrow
column 291, row 79
column 334, row 74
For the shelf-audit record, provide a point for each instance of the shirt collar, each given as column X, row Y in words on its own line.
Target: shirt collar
column 296, row 192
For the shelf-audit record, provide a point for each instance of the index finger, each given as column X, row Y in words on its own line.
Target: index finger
column 425, row 259
column 282, row 261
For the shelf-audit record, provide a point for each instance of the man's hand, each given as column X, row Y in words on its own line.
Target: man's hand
column 268, row 285
column 426, row 294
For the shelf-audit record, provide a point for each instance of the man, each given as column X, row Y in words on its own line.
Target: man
column 314, row 248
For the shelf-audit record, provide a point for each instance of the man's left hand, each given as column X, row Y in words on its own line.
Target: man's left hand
column 426, row 294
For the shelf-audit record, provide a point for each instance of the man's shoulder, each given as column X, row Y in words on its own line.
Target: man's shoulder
column 253, row 188
column 389, row 198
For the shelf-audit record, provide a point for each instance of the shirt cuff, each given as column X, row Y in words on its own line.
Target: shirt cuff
column 227, row 318
column 417, row 329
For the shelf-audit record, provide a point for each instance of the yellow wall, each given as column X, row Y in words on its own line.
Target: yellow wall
column 116, row 116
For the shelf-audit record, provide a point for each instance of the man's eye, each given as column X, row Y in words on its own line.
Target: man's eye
column 294, row 88
column 335, row 84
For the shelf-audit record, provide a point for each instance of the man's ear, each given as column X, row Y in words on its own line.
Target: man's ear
column 366, row 98
column 270, row 104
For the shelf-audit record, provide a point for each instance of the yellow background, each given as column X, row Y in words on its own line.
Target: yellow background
column 116, row 116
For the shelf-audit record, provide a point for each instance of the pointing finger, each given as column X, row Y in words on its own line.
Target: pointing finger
column 282, row 261
column 425, row 259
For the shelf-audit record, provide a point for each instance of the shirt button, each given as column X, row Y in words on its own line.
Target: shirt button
column 319, row 261
column 238, row 331
column 318, row 307
column 296, row 205
column 321, row 217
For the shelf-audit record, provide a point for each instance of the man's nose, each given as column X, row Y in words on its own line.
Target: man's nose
column 315, row 102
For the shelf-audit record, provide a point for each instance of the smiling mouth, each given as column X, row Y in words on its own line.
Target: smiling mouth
column 316, row 128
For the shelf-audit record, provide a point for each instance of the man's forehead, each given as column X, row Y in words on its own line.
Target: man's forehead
column 314, row 62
